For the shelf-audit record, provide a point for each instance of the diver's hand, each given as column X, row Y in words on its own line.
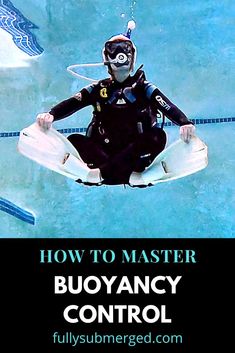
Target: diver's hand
column 186, row 132
column 45, row 120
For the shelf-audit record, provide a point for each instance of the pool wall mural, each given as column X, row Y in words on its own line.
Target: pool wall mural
column 20, row 29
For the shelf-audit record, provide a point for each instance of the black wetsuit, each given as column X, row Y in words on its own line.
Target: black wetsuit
column 123, row 136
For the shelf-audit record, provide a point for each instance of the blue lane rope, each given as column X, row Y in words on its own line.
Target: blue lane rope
column 62, row 131
column 16, row 211
column 83, row 129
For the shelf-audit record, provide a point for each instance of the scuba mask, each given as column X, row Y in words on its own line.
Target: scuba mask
column 119, row 54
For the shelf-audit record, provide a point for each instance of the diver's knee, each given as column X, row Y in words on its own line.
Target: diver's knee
column 74, row 138
column 159, row 139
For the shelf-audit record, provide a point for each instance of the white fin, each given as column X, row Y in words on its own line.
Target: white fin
column 52, row 150
column 178, row 160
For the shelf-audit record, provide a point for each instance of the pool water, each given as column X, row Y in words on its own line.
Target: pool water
column 188, row 51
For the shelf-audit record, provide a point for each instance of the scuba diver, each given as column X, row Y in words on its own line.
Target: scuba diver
column 123, row 138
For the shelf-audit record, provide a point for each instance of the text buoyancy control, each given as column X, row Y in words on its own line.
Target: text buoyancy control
column 116, row 285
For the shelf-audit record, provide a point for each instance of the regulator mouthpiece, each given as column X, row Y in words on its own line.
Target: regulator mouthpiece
column 121, row 58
